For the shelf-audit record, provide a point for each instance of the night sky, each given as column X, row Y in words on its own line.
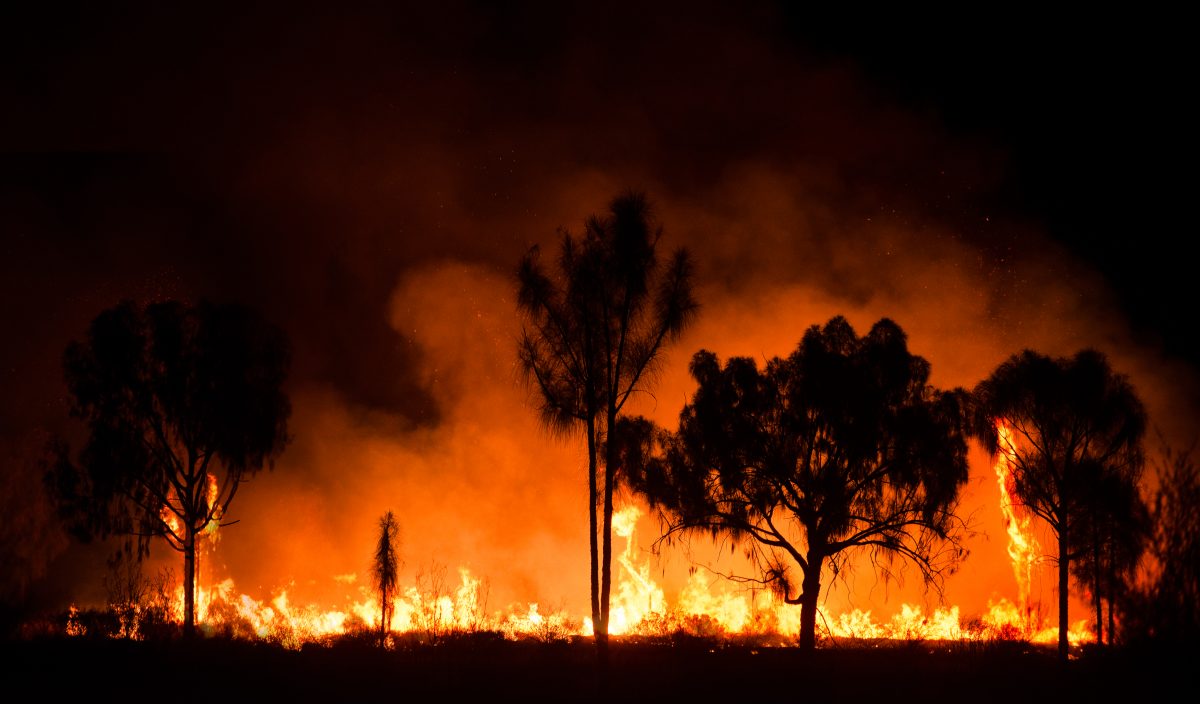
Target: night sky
column 367, row 177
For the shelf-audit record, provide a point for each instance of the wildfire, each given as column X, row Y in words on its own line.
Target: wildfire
column 211, row 492
column 1023, row 547
column 707, row 605
column 637, row 596
column 169, row 515
column 74, row 627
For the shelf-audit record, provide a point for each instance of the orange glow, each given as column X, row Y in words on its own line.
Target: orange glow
column 168, row 518
column 169, row 514
column 489, row 491
column 1023, row 547
column 706, row 606
column 214, row 523
column 382, row 238
column 636, row 597
column 74, row 627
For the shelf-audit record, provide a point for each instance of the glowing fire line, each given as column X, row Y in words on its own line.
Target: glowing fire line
column 706, row 606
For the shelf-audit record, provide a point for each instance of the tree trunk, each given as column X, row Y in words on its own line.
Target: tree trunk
column 606, row 534
column 1112, row 589
column 600, row 638
column 1096, row 581
column 809, row 596
column 189, row 579
column 1063, row 576
column 385, row 615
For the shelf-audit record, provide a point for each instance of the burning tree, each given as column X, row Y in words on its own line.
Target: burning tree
column 182, row 404
column 841, row 447
column 592, row 334
column 385, row 569
column 1069, row 426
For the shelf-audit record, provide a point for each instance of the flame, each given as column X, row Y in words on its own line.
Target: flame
column 74, row 627
column 706, row 606
column 211, row 491
column 168, row 518
column 637, row 596
column 1023, row 547
column 214, row 523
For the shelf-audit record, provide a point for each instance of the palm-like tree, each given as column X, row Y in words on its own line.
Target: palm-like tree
column 183, row 403
column 594, row 330
column 386, row 569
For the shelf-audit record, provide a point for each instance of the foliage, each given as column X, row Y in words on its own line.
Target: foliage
column 840, row 447
column 182, row 404
column 385, row 569
column 594, row 330
column 1167, row 609
column 1069, row 427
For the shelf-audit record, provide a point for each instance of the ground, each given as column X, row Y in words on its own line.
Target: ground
column 215, row 670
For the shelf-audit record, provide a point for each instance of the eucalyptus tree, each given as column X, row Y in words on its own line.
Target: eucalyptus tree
column 182, row 403
column 840, row 447
column 1066, row 426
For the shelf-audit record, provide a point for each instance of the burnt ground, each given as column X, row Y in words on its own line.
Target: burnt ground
column 217, row 670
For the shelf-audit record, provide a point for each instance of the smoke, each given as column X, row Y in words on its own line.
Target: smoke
column 30, row 535
column 370, row 179
column 484, row 489
column 488, row 489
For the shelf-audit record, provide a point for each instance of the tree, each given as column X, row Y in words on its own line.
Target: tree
column 593, row 333
column 1168, row 606
column 182, row 404
column 385, row 570
column 842, row 447
column 1112, row 523
column 1071, row 424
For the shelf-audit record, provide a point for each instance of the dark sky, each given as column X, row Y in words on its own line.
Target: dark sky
column 302, row 158
column 168, row 113
column 1093, row 110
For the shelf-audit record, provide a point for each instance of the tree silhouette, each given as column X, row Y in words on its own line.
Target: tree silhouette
column 1074, row 423
column 182, row 404
column 593, row 332
column 1168, row 607
column 1112, row 522
column 841, row 447
column 385, row 570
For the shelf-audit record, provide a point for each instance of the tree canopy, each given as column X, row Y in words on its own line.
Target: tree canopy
column 841, row 446
column 594, row 330
column 1167, row 603
column 1072, row 431
column 182, row 403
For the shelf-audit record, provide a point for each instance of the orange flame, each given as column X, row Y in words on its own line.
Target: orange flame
column 706, row 606
column 1023, row 547
column 171, row 520
column 74, row 627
